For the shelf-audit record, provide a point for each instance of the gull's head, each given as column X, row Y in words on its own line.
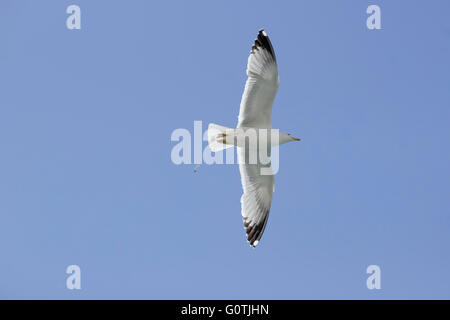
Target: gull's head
column 287, row 137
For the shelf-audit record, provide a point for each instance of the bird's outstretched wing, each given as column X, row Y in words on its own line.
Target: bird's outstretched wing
column 261, row 86
column 256, row 200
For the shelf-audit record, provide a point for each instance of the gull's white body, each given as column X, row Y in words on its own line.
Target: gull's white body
column 255, row 113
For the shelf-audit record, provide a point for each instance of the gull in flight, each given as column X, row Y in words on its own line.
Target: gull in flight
column 255, row 115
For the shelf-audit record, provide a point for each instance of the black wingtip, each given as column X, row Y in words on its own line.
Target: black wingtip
column 254, row 232
column 263, row 41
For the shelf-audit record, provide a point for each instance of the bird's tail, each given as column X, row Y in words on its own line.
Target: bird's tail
column 217, row 137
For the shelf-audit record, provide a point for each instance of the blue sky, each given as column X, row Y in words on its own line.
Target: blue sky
column 86, row 176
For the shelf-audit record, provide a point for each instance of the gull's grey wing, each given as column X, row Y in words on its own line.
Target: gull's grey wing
column 256, row 199
column 261, row 86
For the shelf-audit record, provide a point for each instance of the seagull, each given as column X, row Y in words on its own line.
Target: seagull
column 255, row 114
